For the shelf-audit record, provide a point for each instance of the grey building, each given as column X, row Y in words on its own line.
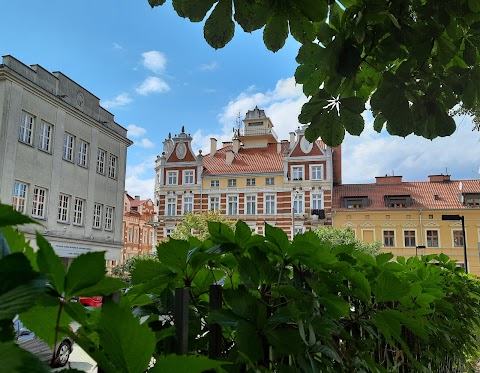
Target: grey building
column 62, row 160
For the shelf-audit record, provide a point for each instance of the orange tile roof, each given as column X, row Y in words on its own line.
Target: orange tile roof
column 422, row 192
column 247, row 160
column 136, row 202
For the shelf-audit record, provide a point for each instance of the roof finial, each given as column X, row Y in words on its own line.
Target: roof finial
column 169, row 135
column 183, row 129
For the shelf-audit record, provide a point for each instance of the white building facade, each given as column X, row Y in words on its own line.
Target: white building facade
column 62, row 160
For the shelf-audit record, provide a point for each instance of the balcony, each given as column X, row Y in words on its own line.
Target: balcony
column 257, row 132
column 317, row 213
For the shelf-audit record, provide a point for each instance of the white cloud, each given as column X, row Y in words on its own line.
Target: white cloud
column 154, row 61
column 145, row 143
column 117, row 46
column 135, row 131
column 122, row 99
column 152, row 85
column 209, row 67
column 140, row 179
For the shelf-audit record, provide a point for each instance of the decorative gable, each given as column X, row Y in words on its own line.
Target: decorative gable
column 182, row 153
column 304, row 148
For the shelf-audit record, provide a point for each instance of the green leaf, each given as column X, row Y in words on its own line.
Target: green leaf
column 383, row 258
column 470, row 53
column 336, row 306
column 17, row 360
column 105, row 286
column 277, row 236
column 85, row 271
column 285, row 341
column 220, row 233
column 197, row 10
column 242, row 232
column 315, row 11
column 154, row 3
column 251, row 15
column 180, row 6
column 301, row 28
column 49, row 263
column 303, row 73
column 379, row 122
column 18, row 244
column 354, row 104
column 360, row 286
column 248, row 340
column 223, row 317
column 20, row 299
column 325, row 33
column 390, row 288
column 219, row 27
column 276, row 32
column 352, row 122
column 327, row 126
column 185, row 364
column 173, row 255
column 9, row 216
column 474, row 5
column 425, row 299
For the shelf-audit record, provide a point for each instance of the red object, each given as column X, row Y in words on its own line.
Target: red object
column 91, row 301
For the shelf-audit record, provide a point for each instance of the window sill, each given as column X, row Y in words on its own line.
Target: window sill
column 63, row 222
column 97, row 228
column 25, row 143
column 101, row 173
column 68, row 160
column 45, row 151
column 39, row 218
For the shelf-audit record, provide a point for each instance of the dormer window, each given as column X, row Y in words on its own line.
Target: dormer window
column 471, row 199
column 398, row 201
column 355, row 202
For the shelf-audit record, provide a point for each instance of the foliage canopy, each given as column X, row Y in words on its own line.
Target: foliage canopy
column 414, row 60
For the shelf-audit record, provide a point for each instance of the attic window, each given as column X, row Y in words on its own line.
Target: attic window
column 471, row 199
column 398, row 201
column 255, row 124
column 356, row 202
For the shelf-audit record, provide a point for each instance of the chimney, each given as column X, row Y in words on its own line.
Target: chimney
column 213, row 146
column 292, row 139
column 137, row 198
column 388, row 180
column 438, row 178
column 337, row 165
column 236, row 145
column 279, row 147
column 229, row 155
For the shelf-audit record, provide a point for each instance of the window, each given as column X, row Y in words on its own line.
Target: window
column 63, row 208
column 171, row 206
column 26, row 129
column 101, row 156
column 299, row 230
column 232, row 182
column 251, row 202
column 112, row 166
column 409, row 238
column 78, row 208
column 144, row 236
column 172, row 177
column 187, row 204
column 298, row 207
column 250, row 182
column 39, row 199
column 389, row 238
column 297, row 172
column 316, row 172
column 270, row 204
column 168, row 232
column 214, row 183
column 109, row 218
column 188, row 177
column 316, row 201
column 135, row 235
column 129, row 239
column 232, row 204
column 97, row 215
column 356, row 202
column 19, row 199
column 457, row 238
column 68, row 144
column 398, row 201
column 471, row 199
column 82, row 157
column 45, row 137
column 270, row 181
column 214, row 204
column 432, row 238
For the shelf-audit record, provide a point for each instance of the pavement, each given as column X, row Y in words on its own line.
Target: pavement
column 80, row 360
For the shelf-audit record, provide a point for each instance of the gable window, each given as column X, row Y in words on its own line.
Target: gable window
column 19, row 197
column 250, row 182
column 232, row 182
column 389, row 238
column 45, row 137
column 63, row 208
column 188, row 176
column 68, row 145
column 270, row 204
column 409, row 238
column 78, row 208
column 251, row 202
column 112, row 166
column 25, row 133
column 39, row 199
column 432, row 238
column 214, row 203
column 471, row 199
column 171, row 206
column 316, row 172
column 97, row 215
column 172, row 177
column 298, row 206
column 398, row 201
column 232, row 205
column 297, row 172
column 187, row 203
column 457, row 238
column 270, row 181
column 82, row 157
column 356, row 202
column 109, row 218
column 214, row 183
column 101, row 156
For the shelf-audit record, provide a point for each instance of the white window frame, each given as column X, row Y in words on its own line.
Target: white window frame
column 453, row 238
column 188, row 177
column 112, row 166
column 298, row 203
column 68, row 146
column 97, row 216
column 267, row 204
column 45, row 135
column 82, row 155
column 214, row 203
column 298, row 230
column 171, row 207
column 269, row 181
column 251, row 207
column 232, row 205
column 78, row 211
column 251, row 181
column 297, row 172
column 172, row 178
column 27, row 125
column 39, row 203
column 19, row 196
column 109, row 215
column 101, row 159
column 214, row 183
column 315, row 197
column 403, row 237
column 167, row 231
column 314, row 172
column 187, row 203
column 394, row 237
column 232, row 183
column 63, row 211
column 438, row 238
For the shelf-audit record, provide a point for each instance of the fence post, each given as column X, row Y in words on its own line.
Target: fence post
column 181, row 319
column 215, row 331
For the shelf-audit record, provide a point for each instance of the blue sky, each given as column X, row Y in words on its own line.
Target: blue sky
column 154, row 71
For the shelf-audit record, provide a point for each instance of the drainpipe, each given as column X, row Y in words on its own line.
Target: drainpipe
column 421, row 231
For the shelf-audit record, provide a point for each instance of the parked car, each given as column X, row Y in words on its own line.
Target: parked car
column 27, row 339
column 91, row 301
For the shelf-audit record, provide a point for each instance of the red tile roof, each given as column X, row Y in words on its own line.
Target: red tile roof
column 136, row 202
column 422, row 192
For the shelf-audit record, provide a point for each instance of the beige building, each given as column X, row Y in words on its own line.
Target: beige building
column 62, row 160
